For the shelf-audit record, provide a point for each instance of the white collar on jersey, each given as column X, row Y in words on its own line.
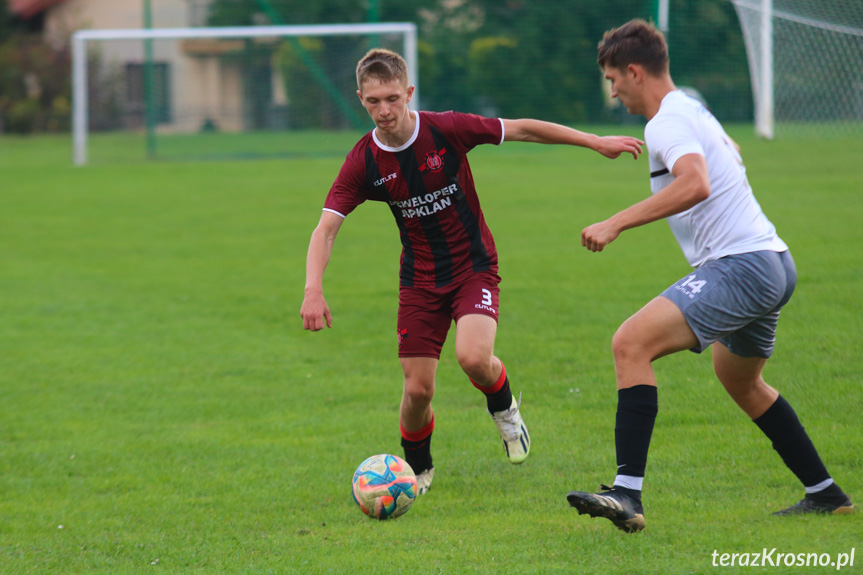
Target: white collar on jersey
column 404, row 146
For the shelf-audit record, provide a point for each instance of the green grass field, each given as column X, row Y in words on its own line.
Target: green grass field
column 163, row 411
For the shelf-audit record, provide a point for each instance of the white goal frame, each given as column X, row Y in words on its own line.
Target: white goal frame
column 81, row 38
column 760, row 54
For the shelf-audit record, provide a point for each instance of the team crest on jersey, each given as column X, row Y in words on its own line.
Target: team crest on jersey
column 434, row 161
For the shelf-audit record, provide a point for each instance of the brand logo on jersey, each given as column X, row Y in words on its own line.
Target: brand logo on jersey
column 386, row 179
column 434, row 161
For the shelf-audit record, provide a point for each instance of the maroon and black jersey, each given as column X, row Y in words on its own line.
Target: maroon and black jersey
column 429, row 187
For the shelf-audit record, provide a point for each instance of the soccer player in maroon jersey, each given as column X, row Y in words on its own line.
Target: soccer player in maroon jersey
column 416, row 162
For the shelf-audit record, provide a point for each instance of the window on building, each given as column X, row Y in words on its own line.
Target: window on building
column 160, row 92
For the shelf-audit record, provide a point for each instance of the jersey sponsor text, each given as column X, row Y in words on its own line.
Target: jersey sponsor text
column 427, row 204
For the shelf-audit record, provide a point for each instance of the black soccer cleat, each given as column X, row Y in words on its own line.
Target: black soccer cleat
column 626, row 513
column 812, row 504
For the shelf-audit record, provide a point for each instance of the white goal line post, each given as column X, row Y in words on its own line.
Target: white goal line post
column 760, row 58
column 760, row 54
column 82, row 37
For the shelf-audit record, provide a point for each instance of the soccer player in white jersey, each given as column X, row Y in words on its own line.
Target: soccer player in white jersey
column 743, row 275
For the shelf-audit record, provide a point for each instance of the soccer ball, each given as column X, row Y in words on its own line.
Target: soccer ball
column 384, row 486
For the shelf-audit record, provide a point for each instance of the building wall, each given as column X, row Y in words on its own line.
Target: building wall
column 73, row 15
column 202, row 86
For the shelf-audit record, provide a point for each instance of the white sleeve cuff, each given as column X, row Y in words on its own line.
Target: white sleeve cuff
column 335, row 212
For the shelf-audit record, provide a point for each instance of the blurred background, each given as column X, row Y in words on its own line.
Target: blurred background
column 509, row 58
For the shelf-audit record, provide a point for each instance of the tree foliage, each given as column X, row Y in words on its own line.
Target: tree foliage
column 708, row 54
column 35, row 90
column 521, row 58
column 513, row 58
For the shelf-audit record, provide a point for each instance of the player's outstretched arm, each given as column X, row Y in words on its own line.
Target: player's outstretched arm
column 540, row 132
column 613, row 146
column 315, row 311
column 691, row 185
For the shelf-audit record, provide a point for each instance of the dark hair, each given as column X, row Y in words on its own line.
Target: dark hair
column 636, row 42
column 381, row 65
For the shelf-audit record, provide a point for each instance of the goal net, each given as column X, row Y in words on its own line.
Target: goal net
column 257, row 91
column 806, row 64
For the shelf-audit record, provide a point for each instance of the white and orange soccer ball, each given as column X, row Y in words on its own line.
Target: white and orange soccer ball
column 384, row 486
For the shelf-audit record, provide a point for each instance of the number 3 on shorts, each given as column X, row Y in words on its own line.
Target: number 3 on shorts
column 486, row 297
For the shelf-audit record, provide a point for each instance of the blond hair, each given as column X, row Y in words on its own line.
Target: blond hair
column 383, row 66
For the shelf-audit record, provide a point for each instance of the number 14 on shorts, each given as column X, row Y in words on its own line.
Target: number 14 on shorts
column 690, row 286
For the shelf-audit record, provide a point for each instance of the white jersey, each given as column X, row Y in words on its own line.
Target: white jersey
column 728, row 222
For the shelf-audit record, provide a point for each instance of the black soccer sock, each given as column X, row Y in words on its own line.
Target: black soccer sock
column 790, row 440
column 636, row 413
column 832, row 494
column 417, row 447
column 498, row 397
column 418, row 454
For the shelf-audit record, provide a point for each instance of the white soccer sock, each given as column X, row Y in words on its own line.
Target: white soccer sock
column 821, row 486
column 629, row 482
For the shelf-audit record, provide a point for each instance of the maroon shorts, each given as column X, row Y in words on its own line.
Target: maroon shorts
column 425, row 314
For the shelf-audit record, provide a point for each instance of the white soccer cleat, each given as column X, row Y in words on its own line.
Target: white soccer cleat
column 424, row 480
column 513, row 432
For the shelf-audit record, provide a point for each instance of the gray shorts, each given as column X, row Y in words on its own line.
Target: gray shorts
column 736, row 300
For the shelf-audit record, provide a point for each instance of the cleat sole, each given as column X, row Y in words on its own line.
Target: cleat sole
column 589, row 504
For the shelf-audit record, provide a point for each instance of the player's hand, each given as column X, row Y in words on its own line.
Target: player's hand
column 614, row 146
column 599, row 235
column 315, row 312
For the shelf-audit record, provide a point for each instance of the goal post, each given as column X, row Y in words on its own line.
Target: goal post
column 226, row 97
column 805, row 63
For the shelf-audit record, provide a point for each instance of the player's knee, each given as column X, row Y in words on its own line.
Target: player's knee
column 624, row 346
column 476, row 366
column 418, row 392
